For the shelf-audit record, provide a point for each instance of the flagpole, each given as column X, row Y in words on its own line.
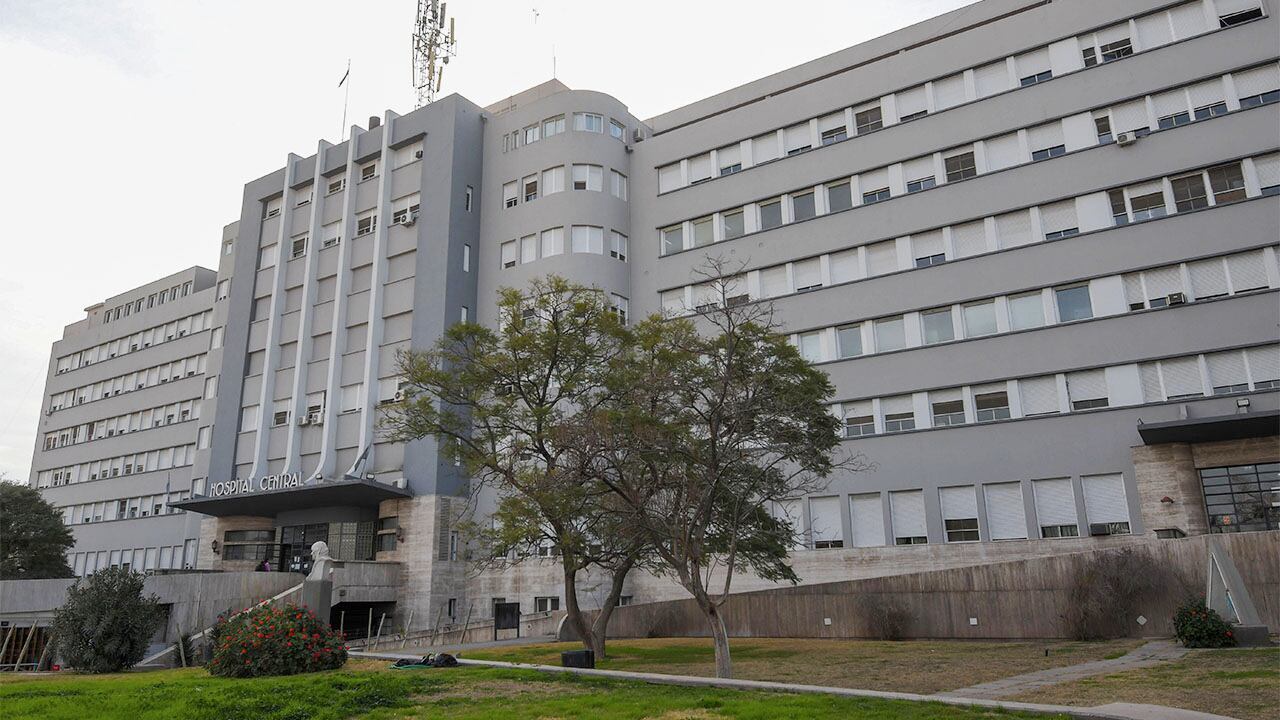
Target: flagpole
column 345, row 98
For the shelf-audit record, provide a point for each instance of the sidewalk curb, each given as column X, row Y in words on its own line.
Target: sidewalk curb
column 1077, row 713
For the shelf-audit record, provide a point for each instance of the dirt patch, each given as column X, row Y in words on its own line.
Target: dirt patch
column 688, row 715
column 498, row 688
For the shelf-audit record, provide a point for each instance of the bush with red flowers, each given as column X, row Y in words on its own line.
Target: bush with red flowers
column 275, row 641
column 1199, row 626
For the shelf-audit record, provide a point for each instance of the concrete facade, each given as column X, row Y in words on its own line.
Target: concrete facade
column 1013, row 236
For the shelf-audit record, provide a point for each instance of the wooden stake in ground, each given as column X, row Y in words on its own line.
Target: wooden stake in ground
column 380, row 621
column 45, row 653
column 182, row 650
column 17, row 664
column 466, row 623
column 435, row 629
column 407, row 628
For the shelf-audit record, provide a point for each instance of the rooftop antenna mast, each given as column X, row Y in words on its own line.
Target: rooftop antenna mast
column 434, row 43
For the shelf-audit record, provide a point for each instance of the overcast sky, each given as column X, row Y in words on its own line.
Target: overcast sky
column 132, row 126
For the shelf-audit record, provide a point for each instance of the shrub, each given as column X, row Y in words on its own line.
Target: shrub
column 270, row 640
column 886, row 617
column 106, row 625
column 1105, row 593
column 1199, row 626
column 184, row 649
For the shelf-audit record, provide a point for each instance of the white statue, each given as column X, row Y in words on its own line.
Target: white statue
column 321, row 561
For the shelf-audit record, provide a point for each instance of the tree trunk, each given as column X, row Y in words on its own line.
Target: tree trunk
column 720, row 636
column 572, row 612
column 600, row 628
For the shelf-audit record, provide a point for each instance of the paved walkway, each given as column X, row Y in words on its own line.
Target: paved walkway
column 1114, row 711
column 416, row 646
column 1153, row 653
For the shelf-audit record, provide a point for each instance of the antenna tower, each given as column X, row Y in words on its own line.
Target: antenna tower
column 433, row 44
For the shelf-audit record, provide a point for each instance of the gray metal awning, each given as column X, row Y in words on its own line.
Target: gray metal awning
column 1209, row 429
column 269, row 503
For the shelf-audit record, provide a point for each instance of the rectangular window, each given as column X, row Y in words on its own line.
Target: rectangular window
column 849, row 341
column 702, row 232
column 1073, row 303
column 991, row 406
column 366, row 225
column 858, row 421
column 921, row 184
column 834, row 135
column 810, row 346
column 588, row 122
column 617, row 245
column 770, row 214
column 731, row 224
column 948, row 412
column 530, row 188
column 617, row 130
column 553, row 180
column 960, row 167
column 1227, row 182
column 906, row 510
column 729, row 158
column 1055, row 504
column 588, row 239
column 509, row 254
column 1106, row 504
column 1036, row 79
column 1240, row 16
column 875, row 196
column 980, row 319
column 839, row 197
column 891, row 334
column 1174, row 120
column 618, row 184
column 672, row 239
column 959, row 513
column 552, row 242
column 299, row 248
column 510, row 194
column 1116, row 50
column 1208, row 111
column 937, row 326
column 553, row 126
column 867, row 120
column 528, row 248
column 368, row 172
column 588, row 177
column 1188, row 193
column 1147, row 207
column 1102, row 125
column 1119, row 212
column 1049, row 152
column 546, row 604
column 802, row 207
column 531, row 134
column 1087, row 389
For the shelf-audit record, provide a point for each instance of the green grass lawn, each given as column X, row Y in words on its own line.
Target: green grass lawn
column 918, row 666
column 1242, row 683
column 368, row 690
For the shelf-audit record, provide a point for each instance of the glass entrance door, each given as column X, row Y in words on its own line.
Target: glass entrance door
column 295, row 545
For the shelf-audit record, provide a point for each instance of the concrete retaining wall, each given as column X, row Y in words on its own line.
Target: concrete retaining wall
column 1020, row 599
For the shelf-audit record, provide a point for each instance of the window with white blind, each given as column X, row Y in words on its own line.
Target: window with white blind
column 1130, row 116
column 699, row 168
column 791, row 512
column 1264, row 366
column 1059, row 220
column 891, row 334
column 832, row 128
column 1188, row 20
column 898, row 413
column 844, row 266
column 927, row 249
column 1248, row 271
column 1106, row 504
column 807, row 274
column 911, row 103
column 882, row 257
column 669, row 177
column 1181, row 378
column 947, row 407
column 1251, row 85
column 825, row 527
column 1149, row 378
column 588, row 239
column 588, row 177
column 1227, row 372
column 1046, row 141
column 991, row 79
column 796, row 139
column 1055, row 502
column 867, row 515
column 1087, row 389
column 919, row 173
column 858, row 420
column 1026, row 311
column 553, row 180
column 528, row 248
column 1014, row 229
column 906, row 509
column 1268, row 169
column 552, row 242
column 764, row 148
column 509, row 194
column 509, row 254
column 959, row 513
column 969, row 239
column 949, row 92
column 1208, row 278
column 773, row 282
column 1004, row 151
column 1006, row 515
column 729, row 158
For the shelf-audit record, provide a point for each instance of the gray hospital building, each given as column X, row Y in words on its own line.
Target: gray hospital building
column 1033, row 244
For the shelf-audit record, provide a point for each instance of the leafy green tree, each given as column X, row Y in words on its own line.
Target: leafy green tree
column 33, row 539
column 510, row 405
column 710, row 425
column 106, row 624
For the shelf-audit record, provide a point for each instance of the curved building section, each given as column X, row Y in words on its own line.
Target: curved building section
column 557, row 176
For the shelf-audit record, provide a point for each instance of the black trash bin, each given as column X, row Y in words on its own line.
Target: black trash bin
column 578, row 659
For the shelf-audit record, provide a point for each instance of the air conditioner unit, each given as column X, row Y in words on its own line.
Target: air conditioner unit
column 304, row 420
column 1176, row 298
column 637, row 135
column 411, row 219
column 316, row 419
column 398, row 396
column 417, row 155
column 1126, row 138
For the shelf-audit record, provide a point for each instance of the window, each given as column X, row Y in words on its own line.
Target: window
column 553, row 126
column 368, row 172
column 930, row 260
column 366, row 225
column 1090, row 56
column 1106, row 505
column 552, row 242
column 1055, row 504
column 1103, row 127
column 921, row 184
column 948, row 412
column 890, row 334
column 810, row 346
column 839, row 197
column 731, row 224
column 587, row 239
column 937, row 326
column 1115, row 50
column 1036, row 79
column 899, row 421
column 509, row 254
column 617, row 245
column 618, row 184
column 1174, row 120
column 672, row 239
column 867, row 120
column 1119, row 212
column 991, row 406
column 849, row 341
column 770, row 214
column 1073, row 303
column 528, row 248
column 802, row 207
column 980, row 318
column 1147, row 207
column 1208, row 111
column 530, row 186
column 299, row 248
column 617, row 130
column 1188, row 193
column 1227, row 182
column 702, row 232
column 858, row 421
column 509, row 194
column 1087, row 389
column 960, row 167
column 531, row 134
column 619, row 305
column 588, row 177
column 959, row 513
column 1050, row 152
column 834, row 135
column 588, row 122
column 1262, row 99
column 1241, row 16
column 875, row 196
column 1236, row 498
column 546, row 604
column 906, row 510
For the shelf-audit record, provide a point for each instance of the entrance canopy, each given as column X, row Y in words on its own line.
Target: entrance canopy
column 1210, row 429
column 269, row 503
